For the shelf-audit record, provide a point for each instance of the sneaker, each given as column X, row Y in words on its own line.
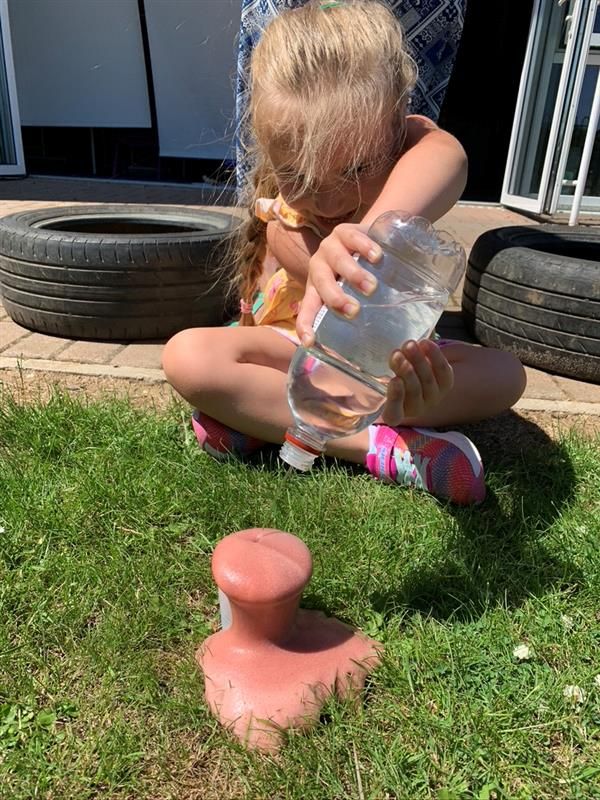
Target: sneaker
column 447, row 465
column 221, row 441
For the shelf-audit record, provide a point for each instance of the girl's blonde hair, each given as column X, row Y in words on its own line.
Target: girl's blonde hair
column 325, row 76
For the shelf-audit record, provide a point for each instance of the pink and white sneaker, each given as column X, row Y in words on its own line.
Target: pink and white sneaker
column 447, row 465
column 221, row 441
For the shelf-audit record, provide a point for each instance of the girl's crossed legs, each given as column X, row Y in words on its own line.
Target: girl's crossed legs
column 238, row 376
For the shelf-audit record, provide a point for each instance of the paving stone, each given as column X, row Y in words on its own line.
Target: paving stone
column 578, row 390
column 36, row 345
column 466, row 222
column 10, row 332
column 147, row 356
column 541, row 385
column 91, row 352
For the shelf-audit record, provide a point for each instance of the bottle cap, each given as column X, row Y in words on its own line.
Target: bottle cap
column 294, row 453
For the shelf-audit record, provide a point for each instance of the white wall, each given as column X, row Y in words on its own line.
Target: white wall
column 193, row 46
column 79, row 62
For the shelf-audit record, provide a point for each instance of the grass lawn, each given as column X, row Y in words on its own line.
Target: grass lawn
column 108, row 518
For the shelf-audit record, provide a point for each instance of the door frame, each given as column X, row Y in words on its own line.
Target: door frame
column 534, row 43
column 18, row 168
column 555, row 196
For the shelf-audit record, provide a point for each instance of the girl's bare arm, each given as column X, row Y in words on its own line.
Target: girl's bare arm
column 429, row 177
column 427, row 181
column 292, row 248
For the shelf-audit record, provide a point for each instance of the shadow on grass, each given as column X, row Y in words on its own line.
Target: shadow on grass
column 504, row 550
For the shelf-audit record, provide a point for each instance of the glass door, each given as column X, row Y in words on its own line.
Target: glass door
column 572, row 151
column 546, row 113
column 11, row 147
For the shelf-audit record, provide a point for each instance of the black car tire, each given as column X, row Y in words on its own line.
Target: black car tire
column 535, row 290
column 115, row 272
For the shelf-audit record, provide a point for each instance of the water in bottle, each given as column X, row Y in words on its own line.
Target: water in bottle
column 337, row 387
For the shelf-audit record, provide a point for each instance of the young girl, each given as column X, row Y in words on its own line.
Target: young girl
column 335, row 149
column 432, row 33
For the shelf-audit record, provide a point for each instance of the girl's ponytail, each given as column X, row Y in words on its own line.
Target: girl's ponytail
column 253, row 244
column 251, row 261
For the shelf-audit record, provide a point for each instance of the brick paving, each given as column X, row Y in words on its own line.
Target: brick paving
column 28, row 350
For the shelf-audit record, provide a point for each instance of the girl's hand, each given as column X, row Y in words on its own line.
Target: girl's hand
column 423, row 378
column 333, row 260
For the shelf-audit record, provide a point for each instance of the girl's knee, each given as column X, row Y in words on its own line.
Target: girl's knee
column 509, row 378
column 178, row 349
column 516, row 375
column 185, row 358
column 497, row 375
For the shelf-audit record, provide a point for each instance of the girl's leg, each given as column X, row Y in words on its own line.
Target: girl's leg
column 486, row 382
column 235, row 375
column 238, row 376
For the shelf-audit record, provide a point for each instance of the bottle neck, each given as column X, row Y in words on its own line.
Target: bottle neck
column 300, row 438
column 301, row 448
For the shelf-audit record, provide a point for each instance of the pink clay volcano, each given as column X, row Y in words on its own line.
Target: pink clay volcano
column 275, row 666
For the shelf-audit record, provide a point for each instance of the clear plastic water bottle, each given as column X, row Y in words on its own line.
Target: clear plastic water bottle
column 337, row 386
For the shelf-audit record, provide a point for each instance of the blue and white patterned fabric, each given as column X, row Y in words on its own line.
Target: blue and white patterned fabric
column 433, row 29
